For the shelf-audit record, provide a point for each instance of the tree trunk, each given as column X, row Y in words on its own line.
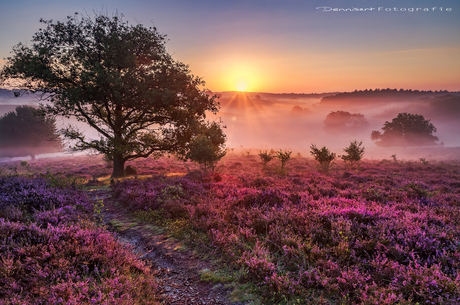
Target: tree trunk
column 118, row 167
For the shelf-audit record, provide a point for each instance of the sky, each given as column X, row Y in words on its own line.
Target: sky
column 298, row 46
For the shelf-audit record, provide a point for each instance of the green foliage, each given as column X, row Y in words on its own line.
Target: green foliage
column 97, row 209
column 119, row 79
column 204, row 152
column 171, row 193
column 354, row 152
column 58, row 180
column 26, row 131
column 207, row 275
column 323, row 156
column 266, row 157
column 284, row 157
column 406, row 130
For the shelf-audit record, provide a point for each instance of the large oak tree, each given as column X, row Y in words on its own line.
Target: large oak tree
column 119, row 79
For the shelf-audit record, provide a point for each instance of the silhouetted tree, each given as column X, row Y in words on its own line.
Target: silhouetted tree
column 339, row 121
column 406, row 130
column 26, row 131
column 117, row 78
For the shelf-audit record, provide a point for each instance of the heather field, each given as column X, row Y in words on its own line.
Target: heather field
column 53, row 252
column 379, row 232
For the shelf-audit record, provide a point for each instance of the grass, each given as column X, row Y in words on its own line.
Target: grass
column 219, row 276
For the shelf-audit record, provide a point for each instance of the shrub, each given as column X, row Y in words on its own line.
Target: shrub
column 323, row 156
column 130, row 171
column 395, row 160
column 204, row 152
column 284, row 157
column 354, row 152
column 424, row 161
column 266, row 157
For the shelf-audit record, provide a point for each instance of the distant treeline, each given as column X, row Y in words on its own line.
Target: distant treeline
column 384, row 94
column 275, row 95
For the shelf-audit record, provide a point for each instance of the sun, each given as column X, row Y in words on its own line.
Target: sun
column 241, row 86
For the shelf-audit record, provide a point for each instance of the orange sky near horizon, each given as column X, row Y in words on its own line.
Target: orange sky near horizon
column 284, row 46
column 422, row 69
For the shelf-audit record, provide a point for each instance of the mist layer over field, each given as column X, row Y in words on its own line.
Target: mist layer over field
column 294, row 121
column 259, row 121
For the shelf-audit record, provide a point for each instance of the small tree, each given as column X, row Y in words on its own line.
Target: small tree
column 406, row 130
column 266, row 157
column 323, row 156
column 208, row 147
column 284, row 157
column 203, row 152
column 26, row 131
column 354, row 152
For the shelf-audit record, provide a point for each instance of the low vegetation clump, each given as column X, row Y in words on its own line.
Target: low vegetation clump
column 51, row 253
column 205, row 152
column 354, row 152
column 266, row 157
column 323, row 156
column 284, row 157
column 385, row 235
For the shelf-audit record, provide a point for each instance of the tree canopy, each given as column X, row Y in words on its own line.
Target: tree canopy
column 26, row 131
column 207, row 148
column 342, row 121
column 406, row 130
column 117, row 78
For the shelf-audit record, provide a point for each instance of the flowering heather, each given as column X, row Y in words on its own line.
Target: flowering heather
column 384, row 233
column 86, row 168
column 22, row 199
column 48, row 255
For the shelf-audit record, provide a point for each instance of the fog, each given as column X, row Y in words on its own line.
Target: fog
column 259, row 121
column 294, row 122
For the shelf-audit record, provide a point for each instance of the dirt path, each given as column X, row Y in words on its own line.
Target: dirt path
column 177, row 271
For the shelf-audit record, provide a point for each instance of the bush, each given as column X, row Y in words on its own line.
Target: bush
column 130, row 171
column 204, row 152
column 284, row 157
column 354, row 152
column 266, row 157
column 323, row 156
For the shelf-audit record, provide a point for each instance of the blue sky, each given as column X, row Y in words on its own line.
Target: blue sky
column 283, row 46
